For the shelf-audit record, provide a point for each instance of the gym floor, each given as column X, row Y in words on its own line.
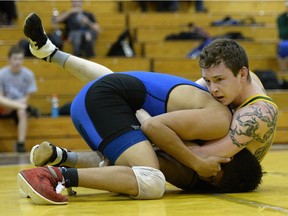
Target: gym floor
column 269, row 199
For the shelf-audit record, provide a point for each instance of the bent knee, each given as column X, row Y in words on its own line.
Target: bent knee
column 151, row 182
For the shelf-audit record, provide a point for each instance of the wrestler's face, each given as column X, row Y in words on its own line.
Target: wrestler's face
column 16, row 61
column 222, row 84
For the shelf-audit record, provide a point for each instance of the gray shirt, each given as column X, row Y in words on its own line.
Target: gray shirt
column 17, row 85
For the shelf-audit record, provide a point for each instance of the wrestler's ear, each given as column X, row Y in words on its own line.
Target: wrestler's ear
column 244, row 73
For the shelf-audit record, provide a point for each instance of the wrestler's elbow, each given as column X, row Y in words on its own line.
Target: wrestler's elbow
column 150, row 127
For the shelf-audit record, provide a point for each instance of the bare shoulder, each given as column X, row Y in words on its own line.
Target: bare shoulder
column 254, row 126
column 190, row 97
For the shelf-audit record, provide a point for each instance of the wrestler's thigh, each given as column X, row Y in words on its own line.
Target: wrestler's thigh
column 140, row 154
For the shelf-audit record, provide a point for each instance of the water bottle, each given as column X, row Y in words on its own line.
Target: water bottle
column 54, row 106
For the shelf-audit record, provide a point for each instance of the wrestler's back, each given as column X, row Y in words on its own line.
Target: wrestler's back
column 191, row 97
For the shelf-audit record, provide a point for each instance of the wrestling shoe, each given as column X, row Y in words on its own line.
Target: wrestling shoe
column 40, row 45
column 43, row 185
column 47, row 154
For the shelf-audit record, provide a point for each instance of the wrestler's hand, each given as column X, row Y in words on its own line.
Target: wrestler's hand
column 211, row 166
column 142, row 115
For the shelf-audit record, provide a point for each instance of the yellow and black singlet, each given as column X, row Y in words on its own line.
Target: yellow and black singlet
column 255, row 98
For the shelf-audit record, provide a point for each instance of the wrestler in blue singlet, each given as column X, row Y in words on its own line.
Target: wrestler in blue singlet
column 104, row 110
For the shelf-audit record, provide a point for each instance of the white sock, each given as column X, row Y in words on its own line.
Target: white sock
column 44, row 51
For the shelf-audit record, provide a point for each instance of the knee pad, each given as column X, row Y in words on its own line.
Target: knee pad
column 151, row 182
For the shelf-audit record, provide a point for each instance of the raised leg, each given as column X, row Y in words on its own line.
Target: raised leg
column 42, row 47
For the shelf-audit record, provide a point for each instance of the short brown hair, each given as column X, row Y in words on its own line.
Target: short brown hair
column 15, row 49
column 228, row 51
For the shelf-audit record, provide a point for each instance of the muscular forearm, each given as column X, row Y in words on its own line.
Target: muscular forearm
column 222, row 148
column 167, row 140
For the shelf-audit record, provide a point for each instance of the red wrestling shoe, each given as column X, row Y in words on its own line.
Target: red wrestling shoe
column 41, row 185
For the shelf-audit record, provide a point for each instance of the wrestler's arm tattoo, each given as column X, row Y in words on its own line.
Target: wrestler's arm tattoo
column 255, row 125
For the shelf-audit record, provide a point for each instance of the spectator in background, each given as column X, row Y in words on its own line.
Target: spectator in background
column 81, row 28
column 282, row 25
column 199, row 6
column 8, row 12
column 161, row 6
column 16, row 84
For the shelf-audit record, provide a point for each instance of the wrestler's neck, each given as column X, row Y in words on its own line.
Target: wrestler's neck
column 249, row 89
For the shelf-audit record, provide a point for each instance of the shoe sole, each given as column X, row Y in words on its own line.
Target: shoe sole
column 41, row 154
column 23, row 194
column 25, row 23
column 34, row 20
column 27, row 191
